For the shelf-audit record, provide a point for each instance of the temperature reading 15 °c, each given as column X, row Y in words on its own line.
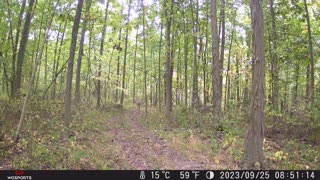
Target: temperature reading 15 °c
column 158, row 174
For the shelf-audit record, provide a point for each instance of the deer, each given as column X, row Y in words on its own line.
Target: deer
column 137, row 101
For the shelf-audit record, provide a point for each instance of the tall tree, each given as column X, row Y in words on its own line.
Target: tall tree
column 274, row 64
column 134, row 68
column 195, row 95
column 15, row 42
column 159, row 67
column 83, row 31
column 223, row 42
column 310, row 82
column 23, row 46
column 169, row 62
column 98, row 90
column 216, row 65
column 253, row 156
column 67, row 101
column 38, row 60
column 125, row 55
column 186, row 42
column 144, row 59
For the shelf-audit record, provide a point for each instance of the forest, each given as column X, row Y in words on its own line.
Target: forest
column 159, row 84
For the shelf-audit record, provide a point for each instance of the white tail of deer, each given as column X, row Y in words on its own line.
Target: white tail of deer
column 138, row 103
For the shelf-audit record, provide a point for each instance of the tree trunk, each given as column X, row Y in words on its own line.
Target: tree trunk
column 118, row 64
column 223, row 40
column 125, row 55
column 15, row 42
column 31, row 81
column 134, row 68
column 205, row 64
column 186, row 42
column 195, row 95
column 216, row 71
column 57, row 59
column 253, row 155
column 67, row 106
column 159, row 67
column 78, row 71
column 227, row 82
column 274, row 64
column 144, row 62
column 310, row 94
column 296, row 86
column 169, row 62
column 98, row 87
column 23, row 46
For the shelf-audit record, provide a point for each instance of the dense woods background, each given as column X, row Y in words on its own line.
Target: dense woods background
column 227, row 84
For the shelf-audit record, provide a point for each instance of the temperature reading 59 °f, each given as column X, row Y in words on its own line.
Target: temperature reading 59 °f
column 160, row 174
column 188, row 175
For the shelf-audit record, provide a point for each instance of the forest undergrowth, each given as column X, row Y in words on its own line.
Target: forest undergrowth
column 98, row 139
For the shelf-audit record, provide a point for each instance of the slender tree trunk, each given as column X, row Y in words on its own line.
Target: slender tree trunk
column 186, row 42
column 134, row 68
column 296, row 86
column 125, row 55
column 310, row 94
column 246, row 77
column 195, row 96
column 31, row 81
column 79, row 62
column 37, row 49
column 89, row 71
column 253, row 155
column 57, row 59
column 118, row 64
column 274, row 64
column 223, row 40
column 227, row 82
column 145, row 61
column 216, row 83
column 159, row 67
column 205, row 64
column 15, row 42
column 237, row 80
column 67, row 107
column 98, row 87
column 23, row 46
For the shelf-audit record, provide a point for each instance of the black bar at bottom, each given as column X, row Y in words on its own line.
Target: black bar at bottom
column 160, row 174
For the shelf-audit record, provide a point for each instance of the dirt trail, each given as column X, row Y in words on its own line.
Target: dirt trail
column 142, row 149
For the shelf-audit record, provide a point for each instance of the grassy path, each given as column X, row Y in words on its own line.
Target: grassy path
column 141, row 149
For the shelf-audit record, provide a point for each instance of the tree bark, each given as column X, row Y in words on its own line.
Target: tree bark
column 253, row 156
column 274, row 64
column 125, row 56
column 144, row 62
column 159, row 68
column 186, row 42
column 15, row 42
column 169, row 62
column 67, row 106
column 57, row 59
column 98, row 87
column 195, row 93
column 310, row 94
column 227, row 82
column 31, row 81
column 134, row 68
column 216, row 67
column 223, row 40
column 23, row 46
column 79, row 62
